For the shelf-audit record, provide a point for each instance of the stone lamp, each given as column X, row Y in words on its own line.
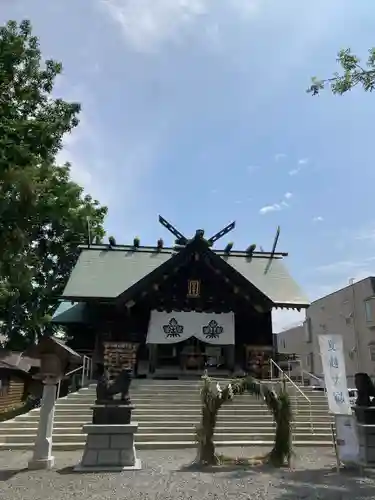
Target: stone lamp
column 55, row 360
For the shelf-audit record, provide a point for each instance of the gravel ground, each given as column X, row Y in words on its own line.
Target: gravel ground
column 169, row 475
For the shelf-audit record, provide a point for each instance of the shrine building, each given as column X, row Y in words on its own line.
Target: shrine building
column 175, row 311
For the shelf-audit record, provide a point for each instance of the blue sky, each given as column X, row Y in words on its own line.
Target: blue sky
column 197, row 110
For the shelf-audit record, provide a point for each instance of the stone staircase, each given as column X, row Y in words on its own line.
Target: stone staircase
column 167, row 412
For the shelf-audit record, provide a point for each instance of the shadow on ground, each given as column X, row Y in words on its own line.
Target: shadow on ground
column 66, row 470
column 324, row 484
column 212, row 469
column 7, row 474
column 328, row 484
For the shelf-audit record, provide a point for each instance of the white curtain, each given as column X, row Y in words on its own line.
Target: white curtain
column 173, row 327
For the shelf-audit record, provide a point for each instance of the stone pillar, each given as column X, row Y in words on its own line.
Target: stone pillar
column 42, row 455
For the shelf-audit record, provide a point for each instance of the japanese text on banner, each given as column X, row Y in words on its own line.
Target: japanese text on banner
column 332, row 353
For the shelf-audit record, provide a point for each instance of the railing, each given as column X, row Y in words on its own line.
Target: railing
column 285, row 377
column 85, row 372
column 320, row 380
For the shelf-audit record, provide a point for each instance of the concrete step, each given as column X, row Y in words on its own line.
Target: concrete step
column 235, row 412
column 165, row 398
column 194, row 394
column 154, row 389
column 171, row 437
column 167, row 445
column 77, row 405
column 149, row 389
column 150, row 416
column 16, row 425
column 61, row 432
column 167, row 413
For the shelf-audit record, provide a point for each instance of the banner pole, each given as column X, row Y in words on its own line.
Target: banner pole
column 334, row 441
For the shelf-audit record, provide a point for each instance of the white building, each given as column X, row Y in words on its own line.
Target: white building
column 349, row 312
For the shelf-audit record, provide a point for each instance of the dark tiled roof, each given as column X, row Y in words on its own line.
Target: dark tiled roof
column 102, row 273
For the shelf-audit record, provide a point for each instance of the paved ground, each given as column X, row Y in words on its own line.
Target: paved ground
column 168, row 475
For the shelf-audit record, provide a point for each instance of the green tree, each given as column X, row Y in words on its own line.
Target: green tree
column 43, row 213
column 353, row 73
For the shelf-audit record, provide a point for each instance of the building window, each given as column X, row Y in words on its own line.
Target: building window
column 369, row 309
column 194, row 287
column 308, row 330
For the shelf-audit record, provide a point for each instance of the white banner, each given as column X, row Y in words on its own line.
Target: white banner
column 333, row 361
column 347, row 439
column 173, row 327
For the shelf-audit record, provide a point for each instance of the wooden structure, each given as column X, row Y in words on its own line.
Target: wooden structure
column 114, row 289
column 13, row 381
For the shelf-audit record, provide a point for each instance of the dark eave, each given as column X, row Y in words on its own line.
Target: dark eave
column 175, row 249
column 176, row 261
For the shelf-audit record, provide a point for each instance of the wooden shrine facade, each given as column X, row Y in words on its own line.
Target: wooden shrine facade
column 115, row 291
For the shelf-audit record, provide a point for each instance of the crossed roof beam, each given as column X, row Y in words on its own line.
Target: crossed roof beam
column 182, row 240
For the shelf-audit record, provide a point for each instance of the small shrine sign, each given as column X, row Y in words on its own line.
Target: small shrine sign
column 119, row 355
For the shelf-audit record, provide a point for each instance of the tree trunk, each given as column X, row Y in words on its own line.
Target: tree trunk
column 281, row 449
column 207, row 453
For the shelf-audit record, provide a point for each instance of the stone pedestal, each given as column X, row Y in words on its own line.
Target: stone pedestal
column 366, row 439
column 365, row 414
column 112, row 413
column 42, row 456
column 109, row 448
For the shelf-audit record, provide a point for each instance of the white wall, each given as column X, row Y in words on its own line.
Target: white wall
column 343, row 313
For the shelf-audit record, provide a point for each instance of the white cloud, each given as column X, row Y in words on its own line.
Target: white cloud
column 147, row 24
column 366, row 234
column 318, row 218
column 303, row 161
column 270, row 208
column 295, row 171
column 279, row 156
column 276, row 207
column 245, row 8
column 283, row 319
column 301, row 164
column 288, row 195
column 81, row 173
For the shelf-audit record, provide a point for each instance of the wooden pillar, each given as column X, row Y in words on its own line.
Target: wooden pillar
column 96, row 355
column 230, row 357
column 152, row 356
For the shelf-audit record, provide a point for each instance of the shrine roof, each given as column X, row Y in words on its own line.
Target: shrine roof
column 103, row 273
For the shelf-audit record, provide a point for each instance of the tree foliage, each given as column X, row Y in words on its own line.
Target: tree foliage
column 353, row 73
column 213, row 397
column 43, row 213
